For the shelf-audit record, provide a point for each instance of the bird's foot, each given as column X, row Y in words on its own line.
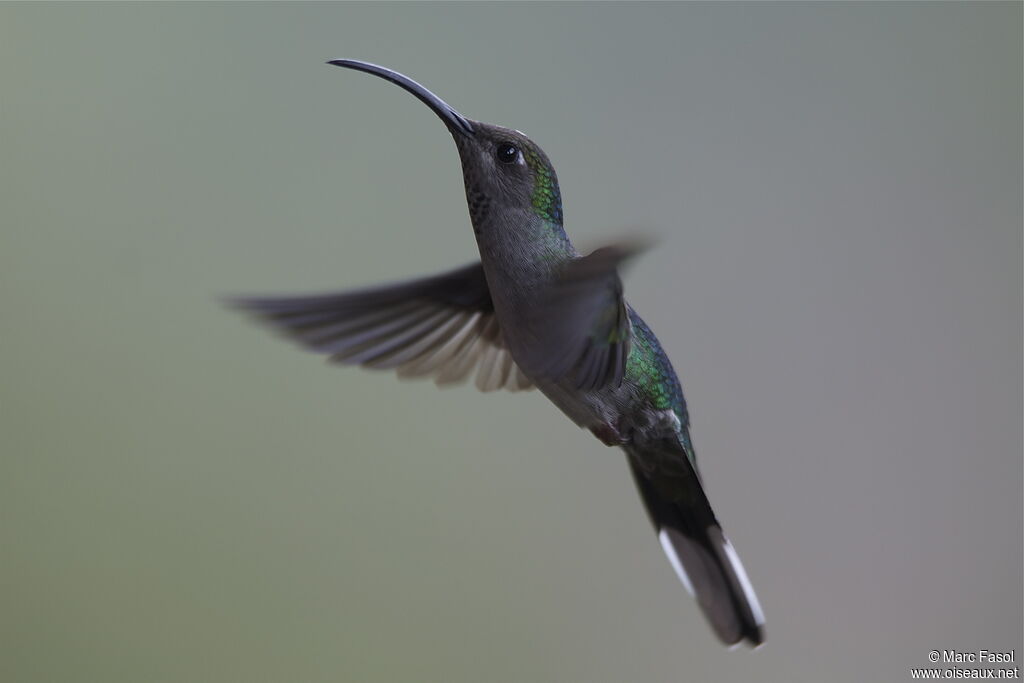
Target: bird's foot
column 609, row 434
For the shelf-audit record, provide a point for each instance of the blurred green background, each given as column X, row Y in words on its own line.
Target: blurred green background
column 836, row 190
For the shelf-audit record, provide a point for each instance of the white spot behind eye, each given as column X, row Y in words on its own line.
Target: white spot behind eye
column 521, row 160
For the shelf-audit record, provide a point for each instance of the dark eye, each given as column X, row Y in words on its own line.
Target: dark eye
column 507, row 153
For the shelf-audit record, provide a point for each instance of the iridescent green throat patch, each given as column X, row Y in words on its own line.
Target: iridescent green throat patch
column 547, row 200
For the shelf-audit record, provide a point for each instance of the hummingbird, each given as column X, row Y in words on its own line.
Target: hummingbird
column 535, row 313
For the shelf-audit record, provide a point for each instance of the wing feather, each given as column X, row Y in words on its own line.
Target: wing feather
column 580, row 328
column 441, row 326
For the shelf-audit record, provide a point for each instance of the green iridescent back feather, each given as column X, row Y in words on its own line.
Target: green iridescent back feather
column 649, row 368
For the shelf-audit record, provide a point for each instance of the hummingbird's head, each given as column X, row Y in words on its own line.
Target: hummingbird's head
column 503, row 169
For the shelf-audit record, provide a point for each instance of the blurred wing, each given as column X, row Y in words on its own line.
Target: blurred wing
column 441, row 326
column 581, row 328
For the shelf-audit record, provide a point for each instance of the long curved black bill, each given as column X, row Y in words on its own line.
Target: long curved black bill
column 455, row 121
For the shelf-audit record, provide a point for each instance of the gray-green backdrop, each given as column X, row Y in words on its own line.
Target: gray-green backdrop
column 836, row 191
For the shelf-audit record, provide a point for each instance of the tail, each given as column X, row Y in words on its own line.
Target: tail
column 693, row 540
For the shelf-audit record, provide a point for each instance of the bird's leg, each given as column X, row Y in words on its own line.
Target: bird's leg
column 609, row 434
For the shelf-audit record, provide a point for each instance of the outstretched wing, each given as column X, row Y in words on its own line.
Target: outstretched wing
column 580, row 327
column 441, row 326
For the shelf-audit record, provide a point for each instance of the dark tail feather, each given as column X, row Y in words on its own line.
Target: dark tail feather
column 699, row 552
